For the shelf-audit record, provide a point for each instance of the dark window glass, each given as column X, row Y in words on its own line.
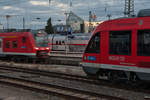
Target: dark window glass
column 56, row 42
column 143, row 43
column 63, row 42
column 94, row 44
column 120, row 42
column 41, row 39
column 59, row 42
column 14, row 44
column 7, row 44
column 23, row 39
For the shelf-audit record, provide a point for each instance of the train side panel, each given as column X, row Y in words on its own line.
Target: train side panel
column 25, row 44
column 18, row 44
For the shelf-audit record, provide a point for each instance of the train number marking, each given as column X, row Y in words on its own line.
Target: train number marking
column 116, row 58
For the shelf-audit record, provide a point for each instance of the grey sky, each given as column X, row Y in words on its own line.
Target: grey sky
column 32, row 9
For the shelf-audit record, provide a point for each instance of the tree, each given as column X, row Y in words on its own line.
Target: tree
column 49, row 28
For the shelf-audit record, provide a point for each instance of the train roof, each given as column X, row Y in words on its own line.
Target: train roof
column 15, row 30
column 125, row 24
column 141, row 21
column 21, row 30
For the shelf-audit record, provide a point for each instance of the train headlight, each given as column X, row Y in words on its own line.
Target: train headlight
column 47, row 48
column 36, row 48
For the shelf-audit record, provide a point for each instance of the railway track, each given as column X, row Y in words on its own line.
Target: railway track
column 82, row 79
column 65, row 92
column 51, row 74
column 38, row 74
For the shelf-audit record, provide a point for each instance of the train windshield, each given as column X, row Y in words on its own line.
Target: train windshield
column 41, row 38
column 94, row 44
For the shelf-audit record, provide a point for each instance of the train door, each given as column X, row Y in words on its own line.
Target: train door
column 120, row 49
column 1, row 45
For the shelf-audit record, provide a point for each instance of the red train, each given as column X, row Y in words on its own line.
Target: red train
column 24, row 44
column 120, row 49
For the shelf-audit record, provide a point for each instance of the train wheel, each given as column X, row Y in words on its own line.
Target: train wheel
column 113, row 76
column 34, row 61
column 46, row 61
column 102, row 74
column 26, row 60
column 91, row 75
column 13, row 59
column 110, row 76
column 134, row 80
column 133, row 77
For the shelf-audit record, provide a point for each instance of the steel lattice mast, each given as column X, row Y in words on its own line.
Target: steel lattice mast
column 129, row 8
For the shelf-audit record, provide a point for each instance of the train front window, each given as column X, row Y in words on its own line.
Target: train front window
column 41, row 39
column 120, row 42
column 143, row 44
column 23, row 39
column 94, row 44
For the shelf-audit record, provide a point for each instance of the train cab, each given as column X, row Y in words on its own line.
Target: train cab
column 120, row 49
column 41, row 43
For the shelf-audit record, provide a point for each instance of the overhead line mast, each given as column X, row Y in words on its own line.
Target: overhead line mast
column 129, row 8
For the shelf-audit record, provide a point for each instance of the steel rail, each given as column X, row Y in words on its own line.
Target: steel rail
column 66, row 92
column 83, row 79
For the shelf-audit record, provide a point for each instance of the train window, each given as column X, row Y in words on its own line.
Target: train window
column 59, row 42
column 120, row 42
column 63, row 42
column 143, row 43
column 23, row 39
column 94, row 44
column 56, row 42
column 7, row 44
column 14, row 44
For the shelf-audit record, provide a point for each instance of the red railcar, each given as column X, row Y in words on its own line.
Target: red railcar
column 24, row 44
column 120, row 48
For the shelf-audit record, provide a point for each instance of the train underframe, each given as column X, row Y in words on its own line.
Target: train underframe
column 116, row 75
column 40, row 57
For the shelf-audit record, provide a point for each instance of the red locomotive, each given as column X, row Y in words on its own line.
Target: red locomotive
column 120, row 49
column 24, row 44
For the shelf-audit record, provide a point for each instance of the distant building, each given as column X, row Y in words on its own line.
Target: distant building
column 75, row 22
column 93, row 25
column 59, row 28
